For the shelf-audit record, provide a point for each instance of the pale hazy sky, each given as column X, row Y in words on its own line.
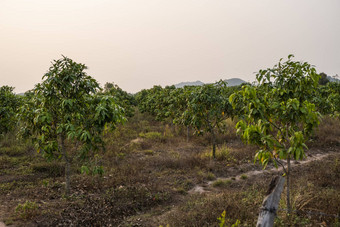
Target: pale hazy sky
column 140, row 43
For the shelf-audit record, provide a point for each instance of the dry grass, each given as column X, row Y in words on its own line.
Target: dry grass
column 328, row 133
column 149, row 169
column 203, row 210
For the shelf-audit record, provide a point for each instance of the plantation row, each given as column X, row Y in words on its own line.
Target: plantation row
column 277, row 113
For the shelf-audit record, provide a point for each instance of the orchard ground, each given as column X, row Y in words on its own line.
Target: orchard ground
column 151, row 173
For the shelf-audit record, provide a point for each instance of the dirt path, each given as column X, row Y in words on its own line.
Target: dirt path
column 2, row 216
column 206, row 187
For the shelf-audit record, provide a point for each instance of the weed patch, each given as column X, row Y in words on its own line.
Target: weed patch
column 27, row 210
column 221, row 183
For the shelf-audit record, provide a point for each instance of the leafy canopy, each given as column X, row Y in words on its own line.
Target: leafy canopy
column 207, row 107
column 278, row 115
column 66, row 105
column 9, row 103
column 121, row 97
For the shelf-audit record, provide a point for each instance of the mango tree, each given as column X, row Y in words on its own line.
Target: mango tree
column 278, row 116
column 179, row 99
column 65, row 111
column 9, row 103
column 147, row 100
column 321, row 100
column 334, row 98
column 208, row 107
column 121, row 97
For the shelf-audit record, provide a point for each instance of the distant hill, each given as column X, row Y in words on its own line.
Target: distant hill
column 333, row 79
column 196, row 83
column 234, row 82
column 230, row 82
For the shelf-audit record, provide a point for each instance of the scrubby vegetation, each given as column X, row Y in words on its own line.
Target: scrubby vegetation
column 158, row 168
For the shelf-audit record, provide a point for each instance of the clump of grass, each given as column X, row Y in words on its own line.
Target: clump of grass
column 9, row 162
column 167, row 132
column 222, row 154
column 244, row 177
column 175, row 160
column 4, row 161
column 54, row 169
column 181, row 190
column 211, row 176
column 157, row 136
column 14, row 150
column 27, row 210
column 149, row 152
column 221, row 183
column 224, row 222
column 121, row 155
column 174, row 154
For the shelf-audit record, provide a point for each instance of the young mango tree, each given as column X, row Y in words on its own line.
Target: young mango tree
column 278, row 116
column 122, row 98
column 179, row 99
column 208, row 107
column 66, row 110
column 9, row 103
column 148, row 100
column 334, row 98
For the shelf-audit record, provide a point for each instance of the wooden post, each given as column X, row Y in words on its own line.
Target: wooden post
column 271, row 203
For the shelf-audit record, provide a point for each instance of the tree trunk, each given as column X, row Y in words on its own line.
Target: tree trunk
column 271, row 203
column 187, row 134
column 214, row 143
column 288, row 173
column 288, row 183
column 67, row 166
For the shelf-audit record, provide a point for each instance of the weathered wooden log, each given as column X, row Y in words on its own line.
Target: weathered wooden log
column 271, row 203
